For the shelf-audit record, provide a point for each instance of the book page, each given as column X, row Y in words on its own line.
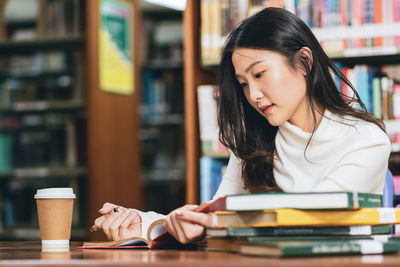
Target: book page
column 156, row 229
column 133, row 241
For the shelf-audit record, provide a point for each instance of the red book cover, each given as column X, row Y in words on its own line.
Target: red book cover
column 378, row 41
column 343, row 11
column 357, row 9
column 396, row 18
column 344, row 88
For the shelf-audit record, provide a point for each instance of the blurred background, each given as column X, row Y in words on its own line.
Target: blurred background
column 117, row 98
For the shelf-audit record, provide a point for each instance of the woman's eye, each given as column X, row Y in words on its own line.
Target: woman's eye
column 258, row 75
column 243, row 85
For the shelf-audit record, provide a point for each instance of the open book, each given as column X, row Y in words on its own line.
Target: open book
column 157, row 236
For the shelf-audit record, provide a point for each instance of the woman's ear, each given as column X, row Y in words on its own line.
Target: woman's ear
column 306, row 59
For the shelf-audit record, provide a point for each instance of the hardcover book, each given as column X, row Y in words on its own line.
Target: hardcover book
column 233, row 244
column 313, row 248
column 356, row 230
column 295, row 217
column 325, row 200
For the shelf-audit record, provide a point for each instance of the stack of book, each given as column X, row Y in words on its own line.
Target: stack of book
column 303, row 224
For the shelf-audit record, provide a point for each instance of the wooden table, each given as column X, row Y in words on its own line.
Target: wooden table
column 30, row 254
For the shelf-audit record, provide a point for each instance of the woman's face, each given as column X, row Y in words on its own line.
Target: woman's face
column 271, row 86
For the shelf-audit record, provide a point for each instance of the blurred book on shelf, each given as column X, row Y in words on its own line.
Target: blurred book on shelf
column 162, row 111
column 42, row 109
column 379, row 90
column 208, row 98
column 345, row 28
column 59, row 18
column 211, row 172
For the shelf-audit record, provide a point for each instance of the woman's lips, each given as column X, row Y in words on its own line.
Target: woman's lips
column 267, row 108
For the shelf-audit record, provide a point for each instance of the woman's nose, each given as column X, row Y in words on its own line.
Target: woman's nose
column 255, row 94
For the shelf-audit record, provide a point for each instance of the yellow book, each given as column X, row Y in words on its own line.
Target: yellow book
column 294, row 217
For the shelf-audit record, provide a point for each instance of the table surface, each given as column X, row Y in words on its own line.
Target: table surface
column 30, row 254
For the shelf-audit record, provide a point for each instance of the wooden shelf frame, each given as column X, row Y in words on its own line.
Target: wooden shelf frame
column 194, row 76
column 112, row 128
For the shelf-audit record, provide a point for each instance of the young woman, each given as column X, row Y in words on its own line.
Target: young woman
column 287, row 125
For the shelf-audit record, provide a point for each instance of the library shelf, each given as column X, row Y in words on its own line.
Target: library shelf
column 163, row 176
column 42, row 44
column 200, row 72
column 166, row 120
column 44, row 106
column 36, row 76
column 365, row 55
column 367, row 30
column 368, row 55
column 163, row 65
column 45, row 172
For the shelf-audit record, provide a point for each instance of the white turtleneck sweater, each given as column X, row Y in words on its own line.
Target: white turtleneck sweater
column 343, row 155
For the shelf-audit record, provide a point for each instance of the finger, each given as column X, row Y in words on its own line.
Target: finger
column 99, row 221
column 115, row 225
column 170, row 226
column 131, row 226
column 189, row 207
column 133, row 218
column 179, row 228
column 107, row 223
column 192, row 231
column 107, row 208
column 204, row 219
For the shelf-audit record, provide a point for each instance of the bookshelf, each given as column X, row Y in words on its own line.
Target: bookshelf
column 194, row 76
column 162, row 118
column 42, row 114
column 57, row 127
column 336, row 32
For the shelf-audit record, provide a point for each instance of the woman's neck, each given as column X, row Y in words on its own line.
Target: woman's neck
column 305, row 120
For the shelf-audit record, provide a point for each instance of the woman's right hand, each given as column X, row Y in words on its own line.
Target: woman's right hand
column 119, row 224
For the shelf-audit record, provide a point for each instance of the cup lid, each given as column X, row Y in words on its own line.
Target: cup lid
column 61, row 192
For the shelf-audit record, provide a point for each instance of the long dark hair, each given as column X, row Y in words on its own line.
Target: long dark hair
column 242, row 129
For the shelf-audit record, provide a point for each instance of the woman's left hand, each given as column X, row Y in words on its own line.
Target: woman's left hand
column 187, row 225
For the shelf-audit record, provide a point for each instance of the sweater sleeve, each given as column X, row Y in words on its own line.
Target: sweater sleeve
column 231, row 182
column 363, row 168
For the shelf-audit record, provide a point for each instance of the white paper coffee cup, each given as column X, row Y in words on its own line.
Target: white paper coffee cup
column 55, row 208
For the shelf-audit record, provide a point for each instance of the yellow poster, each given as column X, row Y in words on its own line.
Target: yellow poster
column 115, row 47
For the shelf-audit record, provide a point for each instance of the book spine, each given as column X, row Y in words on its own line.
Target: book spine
column 363, row 216
column 378, row 41
column 396, row 101
column 362, row 85
column 358, row 230
column 205, row 179
column 209, row 129
column 369, row 200
column 385, row 97
column 396, row 18
column 376, row 87
column 335, row 248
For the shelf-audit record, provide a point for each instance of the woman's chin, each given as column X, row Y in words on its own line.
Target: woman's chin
column 274, row 122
